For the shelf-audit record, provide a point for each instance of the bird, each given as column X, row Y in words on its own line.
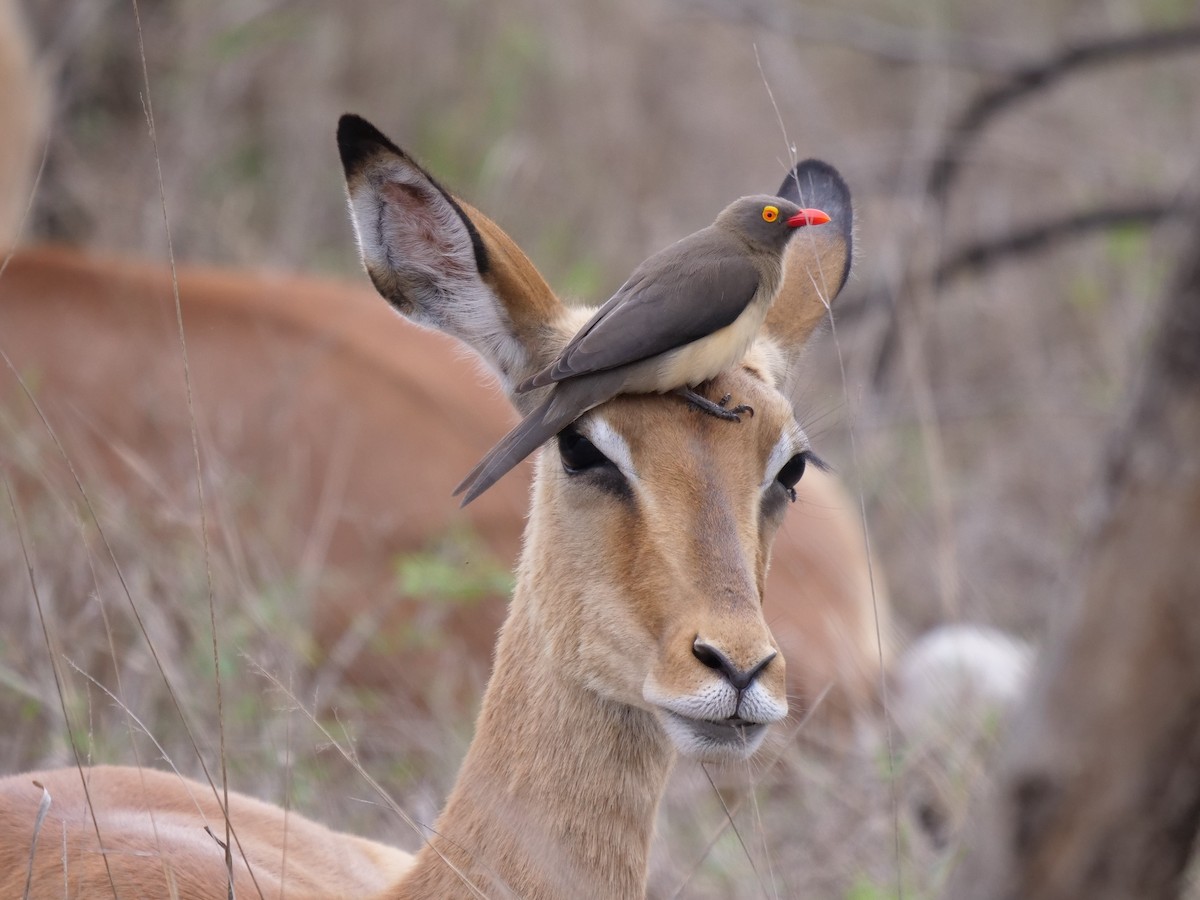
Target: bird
column 687, row 313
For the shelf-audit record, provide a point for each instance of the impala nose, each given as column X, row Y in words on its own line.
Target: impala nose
column 716, row 660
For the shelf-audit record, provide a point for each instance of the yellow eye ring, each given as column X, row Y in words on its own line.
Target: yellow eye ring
column 770, row 213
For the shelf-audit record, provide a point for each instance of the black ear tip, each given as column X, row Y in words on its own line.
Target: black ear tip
column 814, row 182
column 818, row 169
column 814, row 179
column 815, row 167
column 358, row 142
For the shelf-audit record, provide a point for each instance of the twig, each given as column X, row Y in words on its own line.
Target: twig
column 350, row 757
column 1036, row 237
column 58, row 682
column 1042, row 236
column 148, row 108
column 43, row 808
column 988, row 104
column 893, row 44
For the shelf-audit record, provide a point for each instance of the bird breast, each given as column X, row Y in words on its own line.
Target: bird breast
column 706, row 358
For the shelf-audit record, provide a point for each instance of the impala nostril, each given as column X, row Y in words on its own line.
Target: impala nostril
column 714, row 659
column 709, row 655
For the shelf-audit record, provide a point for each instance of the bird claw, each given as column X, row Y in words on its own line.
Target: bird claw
column 740, row 408
column 729, row 415
column 716, row 409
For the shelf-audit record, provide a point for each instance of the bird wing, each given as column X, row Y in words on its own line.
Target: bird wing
column 677, row 296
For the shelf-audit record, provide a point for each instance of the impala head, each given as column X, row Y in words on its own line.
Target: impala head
column 655, row 522
column 651, row 525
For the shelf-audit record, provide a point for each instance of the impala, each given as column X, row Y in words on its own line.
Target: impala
column 636, row 630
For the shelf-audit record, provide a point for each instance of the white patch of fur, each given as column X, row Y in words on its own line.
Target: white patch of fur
column 791, row 441
column 687, row 719
column 572, row 319
column 717, row 700
column 759, row 705
column 609, row 442
column 768, row 357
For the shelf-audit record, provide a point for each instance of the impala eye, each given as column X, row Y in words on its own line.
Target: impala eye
column 577, row 452
column 789, row 476
column 770, row 213
column 582, row 460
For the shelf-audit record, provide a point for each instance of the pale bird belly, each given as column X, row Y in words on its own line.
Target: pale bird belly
column 706, row 358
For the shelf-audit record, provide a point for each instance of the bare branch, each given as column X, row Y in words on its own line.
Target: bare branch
column 1022, row 83
column 1040, row 237
column 1037, row 237
column 888, row 43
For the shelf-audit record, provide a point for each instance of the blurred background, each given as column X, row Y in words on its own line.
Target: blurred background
column 1017, row 172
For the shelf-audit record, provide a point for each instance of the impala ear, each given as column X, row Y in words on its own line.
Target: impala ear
column 441, row 263
column 817, row 263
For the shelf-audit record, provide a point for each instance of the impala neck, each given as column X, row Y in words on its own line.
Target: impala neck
column 559, row 790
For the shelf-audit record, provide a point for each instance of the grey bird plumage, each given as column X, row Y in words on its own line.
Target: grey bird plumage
column 684, row 315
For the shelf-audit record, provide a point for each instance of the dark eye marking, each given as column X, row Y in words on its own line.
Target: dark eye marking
column 578, row 453
column 583, row 460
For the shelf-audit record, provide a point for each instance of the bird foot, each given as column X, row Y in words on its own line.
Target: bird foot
column 719, row 410
column 740, row 408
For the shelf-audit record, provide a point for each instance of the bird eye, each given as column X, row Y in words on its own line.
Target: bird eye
column 789, row 476
column 577, row 452
column 770, row 213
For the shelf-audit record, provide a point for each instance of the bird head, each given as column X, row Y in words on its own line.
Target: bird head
column 767, row 221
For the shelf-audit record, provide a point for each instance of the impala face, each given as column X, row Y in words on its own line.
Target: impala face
column 658, row 530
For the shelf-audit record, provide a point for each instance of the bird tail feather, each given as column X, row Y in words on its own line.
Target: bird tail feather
column 566, row 403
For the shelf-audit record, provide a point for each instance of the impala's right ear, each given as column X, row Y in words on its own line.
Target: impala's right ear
column 441, row 263
column 816, row 265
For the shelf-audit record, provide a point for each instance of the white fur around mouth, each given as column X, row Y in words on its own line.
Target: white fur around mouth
column 705, row 739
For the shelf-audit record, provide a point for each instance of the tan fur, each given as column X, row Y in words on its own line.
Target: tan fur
column 170, row 854
column 558, row 792
column 812, row 275
column 305, row 395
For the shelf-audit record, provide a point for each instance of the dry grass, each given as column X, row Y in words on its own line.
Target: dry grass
column 594, row 134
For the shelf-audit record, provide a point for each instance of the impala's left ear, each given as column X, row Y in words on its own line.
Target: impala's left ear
column 817, row 262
